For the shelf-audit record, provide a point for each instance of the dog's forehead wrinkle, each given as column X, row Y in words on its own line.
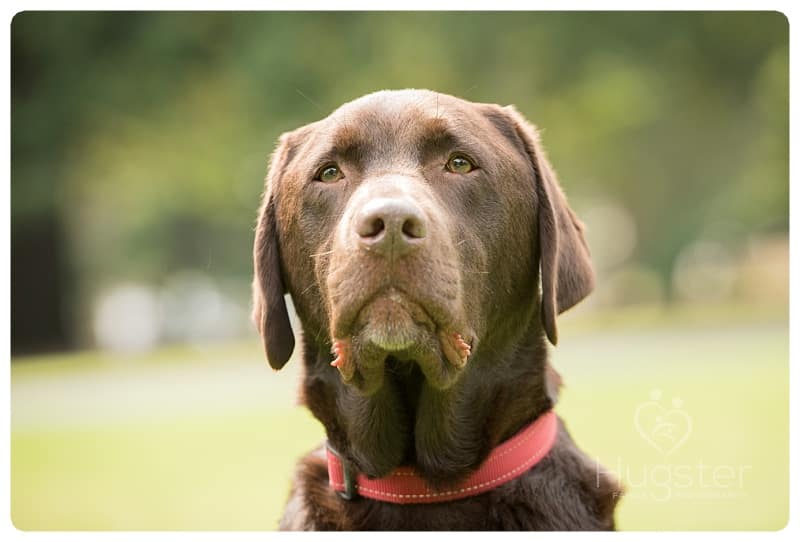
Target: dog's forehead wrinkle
column 344, row 137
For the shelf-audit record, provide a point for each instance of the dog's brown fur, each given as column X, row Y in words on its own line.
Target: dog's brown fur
column 493, row 237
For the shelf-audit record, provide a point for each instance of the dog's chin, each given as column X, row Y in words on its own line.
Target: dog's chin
column 392, row 325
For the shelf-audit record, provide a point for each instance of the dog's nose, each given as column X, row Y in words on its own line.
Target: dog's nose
column 390, row 226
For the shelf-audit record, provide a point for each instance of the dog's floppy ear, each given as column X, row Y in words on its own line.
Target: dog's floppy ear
column 566, row 267
column 269, row 308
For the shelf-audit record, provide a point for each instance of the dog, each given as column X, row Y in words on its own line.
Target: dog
column 428, row 249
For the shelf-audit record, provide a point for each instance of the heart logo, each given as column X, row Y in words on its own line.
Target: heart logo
column 665, row 429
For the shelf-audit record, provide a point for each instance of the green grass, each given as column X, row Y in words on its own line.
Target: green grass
column 735, row 392
column 210, row 473
column 207, row 440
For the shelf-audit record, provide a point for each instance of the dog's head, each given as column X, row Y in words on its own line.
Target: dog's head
column 415, row 226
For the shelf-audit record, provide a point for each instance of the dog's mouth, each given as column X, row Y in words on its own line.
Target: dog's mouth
column 392, row 322
column 393, row 325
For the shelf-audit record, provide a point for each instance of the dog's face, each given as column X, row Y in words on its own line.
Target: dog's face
column 408, row 224
column 412, row 229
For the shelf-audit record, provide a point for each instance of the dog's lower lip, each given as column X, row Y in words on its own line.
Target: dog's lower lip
column 392, row 321
column 352, row 323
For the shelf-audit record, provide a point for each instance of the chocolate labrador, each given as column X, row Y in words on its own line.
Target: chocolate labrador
column 428, row 249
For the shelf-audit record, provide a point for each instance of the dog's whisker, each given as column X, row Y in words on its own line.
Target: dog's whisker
column 315, row 104
column 307, row 289
column 309, row 100
column 318, row 254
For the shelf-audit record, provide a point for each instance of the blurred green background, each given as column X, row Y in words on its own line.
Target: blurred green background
column 140, row 398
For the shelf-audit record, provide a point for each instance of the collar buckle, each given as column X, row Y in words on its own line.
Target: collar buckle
column 349, row 492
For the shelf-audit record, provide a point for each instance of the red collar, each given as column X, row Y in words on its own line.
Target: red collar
column 404, row 485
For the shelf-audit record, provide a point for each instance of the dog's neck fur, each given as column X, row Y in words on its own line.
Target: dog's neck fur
column 445, row 434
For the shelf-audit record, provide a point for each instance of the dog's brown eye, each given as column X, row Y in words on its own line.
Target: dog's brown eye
column 460, row 164
column 329, row 174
